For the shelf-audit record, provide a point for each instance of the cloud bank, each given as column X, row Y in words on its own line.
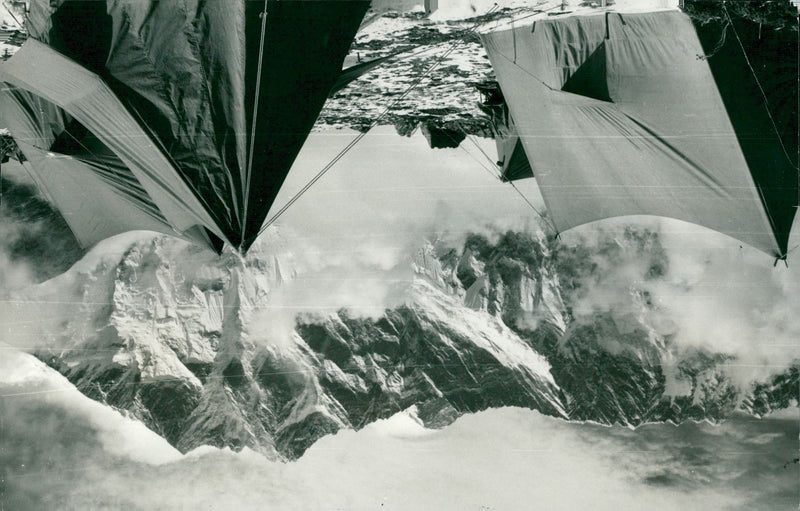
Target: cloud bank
column 356, row 231
column 349, row 241
column 708, row 292
column 60, row 449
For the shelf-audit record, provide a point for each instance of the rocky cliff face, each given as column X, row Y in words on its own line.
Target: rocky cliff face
column 437, row 64
column 167, row 333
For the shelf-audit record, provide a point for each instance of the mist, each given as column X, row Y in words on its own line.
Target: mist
column 353, row 236
column 708, row 292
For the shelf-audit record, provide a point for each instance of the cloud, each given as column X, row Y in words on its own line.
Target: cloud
column 732, row 299
column 709, row 292
column 61, row 449
column 14, row 274
column 391, row 191
column 352, row 236
column 35, row 242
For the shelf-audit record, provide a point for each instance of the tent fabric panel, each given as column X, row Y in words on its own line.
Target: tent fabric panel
column 511, row 157
column 42, row 71
column 119, row 178
column 78, row 142
column 553, row 50
column 598, row 159
column 96, row 202
column 188, row 71
column 34, row 120
column 513, row 161
column 655, row 78
column 21, row 113
column 158, row 59
column 147, row 53
column 92, row 210
column 677, row 100
column 516, row 164
column 38, row 22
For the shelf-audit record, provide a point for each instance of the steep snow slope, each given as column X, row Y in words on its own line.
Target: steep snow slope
column 23, row 377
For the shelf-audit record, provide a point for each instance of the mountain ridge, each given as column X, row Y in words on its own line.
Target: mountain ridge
column 167, row 335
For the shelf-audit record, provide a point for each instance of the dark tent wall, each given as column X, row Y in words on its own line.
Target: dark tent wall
column 305, row 47
column 753, row 105
column 226, row 94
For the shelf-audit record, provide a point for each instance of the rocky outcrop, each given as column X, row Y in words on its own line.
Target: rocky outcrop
column 429, row 84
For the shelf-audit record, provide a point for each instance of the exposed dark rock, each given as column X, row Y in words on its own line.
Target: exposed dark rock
column 169, row 404
column 780, row 393
column 440, row 138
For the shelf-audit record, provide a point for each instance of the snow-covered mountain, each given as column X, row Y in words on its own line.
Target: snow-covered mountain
column 174, row 336
column 204, row 350
column 438, row 61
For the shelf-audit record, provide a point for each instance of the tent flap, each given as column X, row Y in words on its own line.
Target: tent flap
column 43, row 72
column 207, row 104
column 623, row 116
